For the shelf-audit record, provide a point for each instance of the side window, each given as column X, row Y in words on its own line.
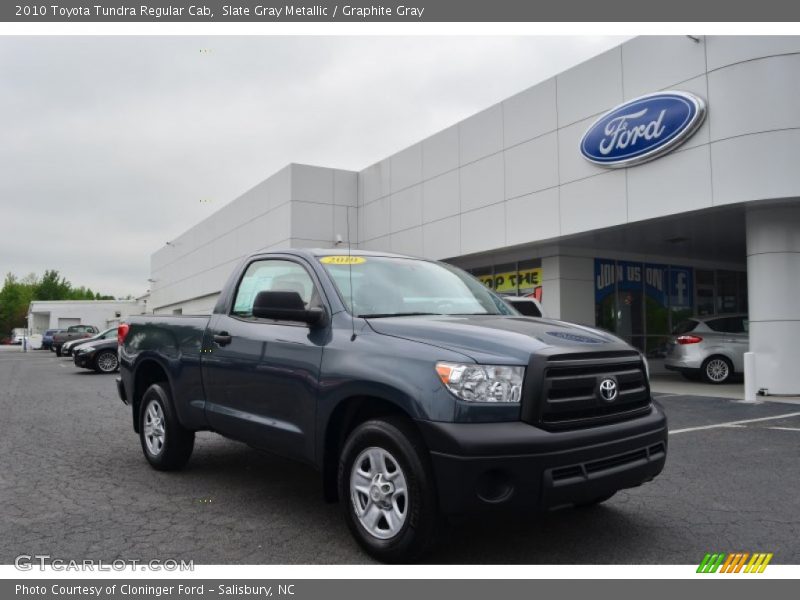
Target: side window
column 718, row 325
column 273, row 276
column 737, row 325
column 685, row 327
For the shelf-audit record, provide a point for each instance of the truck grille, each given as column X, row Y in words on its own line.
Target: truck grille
column 568, row 395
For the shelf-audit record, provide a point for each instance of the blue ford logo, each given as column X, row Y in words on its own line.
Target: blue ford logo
column 643, row 129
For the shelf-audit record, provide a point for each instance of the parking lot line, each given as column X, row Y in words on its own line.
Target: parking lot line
column 734, row 423
column 785, row 428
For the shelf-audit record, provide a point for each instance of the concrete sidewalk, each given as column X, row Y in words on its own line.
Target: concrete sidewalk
column 675, row 384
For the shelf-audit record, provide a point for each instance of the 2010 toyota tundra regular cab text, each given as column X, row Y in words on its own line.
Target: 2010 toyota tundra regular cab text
column 416, row 391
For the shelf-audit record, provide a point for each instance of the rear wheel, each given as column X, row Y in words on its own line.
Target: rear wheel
column 166, row 444
column 387, row 490
column 106, row 361
column 717, row 369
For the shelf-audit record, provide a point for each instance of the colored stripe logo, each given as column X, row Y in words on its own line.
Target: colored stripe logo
column 737, row 562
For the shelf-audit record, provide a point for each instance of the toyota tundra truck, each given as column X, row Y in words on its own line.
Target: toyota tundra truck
column 416, row 392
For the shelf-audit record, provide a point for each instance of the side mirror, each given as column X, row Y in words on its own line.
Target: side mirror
column 286, row 306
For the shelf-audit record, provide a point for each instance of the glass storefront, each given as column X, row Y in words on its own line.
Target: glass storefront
column 643, row 302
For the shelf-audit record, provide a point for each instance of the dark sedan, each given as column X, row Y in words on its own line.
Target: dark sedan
column 99, row 355
column 69, row 348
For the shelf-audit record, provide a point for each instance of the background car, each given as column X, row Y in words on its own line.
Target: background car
column 47, row 338
column 525, row 305
column 99, row 355
column 711, row 348
column 69, row 347
column 73, row 333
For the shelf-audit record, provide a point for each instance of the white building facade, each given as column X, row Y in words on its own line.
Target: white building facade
column 60, row 314
column 711, row 227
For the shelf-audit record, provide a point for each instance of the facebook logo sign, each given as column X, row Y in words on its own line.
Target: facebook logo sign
column 680, row 287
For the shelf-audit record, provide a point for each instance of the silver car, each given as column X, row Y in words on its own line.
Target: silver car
column 711, row 348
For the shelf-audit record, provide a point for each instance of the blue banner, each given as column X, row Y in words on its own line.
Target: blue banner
column 668, row 285
column 680, row 287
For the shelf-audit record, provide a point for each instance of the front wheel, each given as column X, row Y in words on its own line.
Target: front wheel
column 717, row 369
column 106, row 362
column 387, row 490
column 167, row 445
column 58, row 351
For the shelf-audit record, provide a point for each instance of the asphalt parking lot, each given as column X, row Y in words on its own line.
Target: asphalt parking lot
column 74, row 485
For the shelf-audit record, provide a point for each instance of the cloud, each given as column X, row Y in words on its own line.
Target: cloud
column 114, row 145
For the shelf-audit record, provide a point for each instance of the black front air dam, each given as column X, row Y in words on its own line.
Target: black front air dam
column 517, row 467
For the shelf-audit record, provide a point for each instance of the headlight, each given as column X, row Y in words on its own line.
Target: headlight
column 482, row 383
column 85, row 350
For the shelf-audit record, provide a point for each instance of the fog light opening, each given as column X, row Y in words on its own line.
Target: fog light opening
column 495, row 486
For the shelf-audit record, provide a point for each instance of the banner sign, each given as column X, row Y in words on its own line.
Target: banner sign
column 681, row 293
column 660, row 282
column 510, row 281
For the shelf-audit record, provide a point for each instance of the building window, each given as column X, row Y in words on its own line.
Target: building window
column 644, row 302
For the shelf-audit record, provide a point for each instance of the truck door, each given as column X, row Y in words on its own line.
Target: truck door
column 261, row 376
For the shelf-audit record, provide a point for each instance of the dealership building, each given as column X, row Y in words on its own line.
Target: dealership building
column 655, row 181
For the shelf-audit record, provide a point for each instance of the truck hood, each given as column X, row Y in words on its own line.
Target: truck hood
column 497, row 339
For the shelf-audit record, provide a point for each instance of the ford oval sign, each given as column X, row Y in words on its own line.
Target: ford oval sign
column 643, row 129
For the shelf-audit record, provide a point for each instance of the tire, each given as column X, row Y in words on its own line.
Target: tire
column 595, row 501
column 386, row 454
column 58, row 351
column 166, row 444
column 106, row 361
column 717, row 370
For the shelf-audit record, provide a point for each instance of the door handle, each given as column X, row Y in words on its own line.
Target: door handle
column 223, row 338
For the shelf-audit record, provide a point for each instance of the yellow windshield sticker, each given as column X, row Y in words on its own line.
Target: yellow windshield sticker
column 342, row 260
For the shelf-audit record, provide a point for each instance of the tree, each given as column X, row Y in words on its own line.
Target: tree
column 52, row 287
column 16, row 295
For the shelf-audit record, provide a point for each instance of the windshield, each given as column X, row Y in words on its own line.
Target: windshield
column 387, row 286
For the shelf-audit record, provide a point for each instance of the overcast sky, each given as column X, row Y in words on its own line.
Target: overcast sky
column 112, row 146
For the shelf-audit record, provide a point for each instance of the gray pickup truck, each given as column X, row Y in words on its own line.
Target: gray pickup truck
column 416, row 392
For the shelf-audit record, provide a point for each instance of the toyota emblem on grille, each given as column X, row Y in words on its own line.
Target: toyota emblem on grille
column 608, row 389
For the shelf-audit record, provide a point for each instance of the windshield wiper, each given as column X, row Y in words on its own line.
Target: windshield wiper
column 407, row 314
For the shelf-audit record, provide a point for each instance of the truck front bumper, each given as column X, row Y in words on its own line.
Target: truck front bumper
column 516, row 466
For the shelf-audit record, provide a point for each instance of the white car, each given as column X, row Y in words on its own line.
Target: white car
column 525, row 305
